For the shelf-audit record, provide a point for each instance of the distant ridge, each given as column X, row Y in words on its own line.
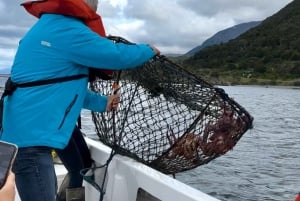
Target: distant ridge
column 268, row 54
column 224, row 36
column 5, row 71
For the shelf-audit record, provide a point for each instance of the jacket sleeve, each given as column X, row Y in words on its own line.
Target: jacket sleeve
column 95, row 102
column 90, row 49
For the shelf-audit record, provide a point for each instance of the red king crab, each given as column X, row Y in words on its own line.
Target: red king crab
column 218, row 137
column 185, row 146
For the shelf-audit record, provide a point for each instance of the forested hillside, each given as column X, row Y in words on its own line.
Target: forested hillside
column 224, row 36
column 266, row 54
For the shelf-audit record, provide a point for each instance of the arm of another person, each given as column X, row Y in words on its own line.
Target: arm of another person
column 8, row 191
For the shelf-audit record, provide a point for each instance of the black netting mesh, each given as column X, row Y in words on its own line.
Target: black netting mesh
column 168, row 118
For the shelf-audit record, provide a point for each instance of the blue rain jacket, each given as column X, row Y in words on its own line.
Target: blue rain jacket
column 59, row 46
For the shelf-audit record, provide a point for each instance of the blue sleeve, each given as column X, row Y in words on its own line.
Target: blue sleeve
column 90, row 49
column 95, row 102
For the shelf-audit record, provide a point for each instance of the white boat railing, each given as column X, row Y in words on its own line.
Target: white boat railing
column 129, row 180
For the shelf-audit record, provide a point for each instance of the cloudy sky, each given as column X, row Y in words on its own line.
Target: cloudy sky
column 174, row 26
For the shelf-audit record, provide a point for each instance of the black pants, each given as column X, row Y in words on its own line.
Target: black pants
column 75, row 157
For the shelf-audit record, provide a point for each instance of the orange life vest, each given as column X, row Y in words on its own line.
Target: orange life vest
column 297, row 197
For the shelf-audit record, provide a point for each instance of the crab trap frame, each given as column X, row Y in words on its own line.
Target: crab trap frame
column 168, row 118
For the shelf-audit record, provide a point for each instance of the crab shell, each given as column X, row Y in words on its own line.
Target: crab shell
column 186, row 146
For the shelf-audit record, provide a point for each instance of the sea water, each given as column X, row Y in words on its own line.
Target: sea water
column 265, row 163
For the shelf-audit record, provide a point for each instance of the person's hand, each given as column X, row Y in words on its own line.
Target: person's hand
column 8, row 191
column 112, row 102
column 156, row 51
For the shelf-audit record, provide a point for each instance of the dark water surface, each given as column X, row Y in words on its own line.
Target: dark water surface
column 265, row 164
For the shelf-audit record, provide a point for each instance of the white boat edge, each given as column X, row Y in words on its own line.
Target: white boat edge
column 126, row 177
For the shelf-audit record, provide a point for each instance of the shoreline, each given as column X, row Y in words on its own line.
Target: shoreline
column 262, row 86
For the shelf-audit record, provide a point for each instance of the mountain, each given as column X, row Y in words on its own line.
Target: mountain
column 269, row 51
column 224, row 36
column 5, row 71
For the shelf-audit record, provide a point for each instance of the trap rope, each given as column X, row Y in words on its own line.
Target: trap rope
column 168, row 118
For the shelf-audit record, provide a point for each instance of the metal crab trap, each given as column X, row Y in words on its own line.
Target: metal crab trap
column 168, row 118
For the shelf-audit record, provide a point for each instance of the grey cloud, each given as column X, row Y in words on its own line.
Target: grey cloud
column 107, row 10
column 12, row 31
column 174, row 26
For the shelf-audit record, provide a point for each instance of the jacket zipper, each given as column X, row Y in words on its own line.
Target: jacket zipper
column 67, row 111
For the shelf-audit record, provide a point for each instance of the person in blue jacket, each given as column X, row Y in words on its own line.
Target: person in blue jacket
column 41, row 118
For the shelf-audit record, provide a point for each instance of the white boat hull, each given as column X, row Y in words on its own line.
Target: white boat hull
column 129, row 180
